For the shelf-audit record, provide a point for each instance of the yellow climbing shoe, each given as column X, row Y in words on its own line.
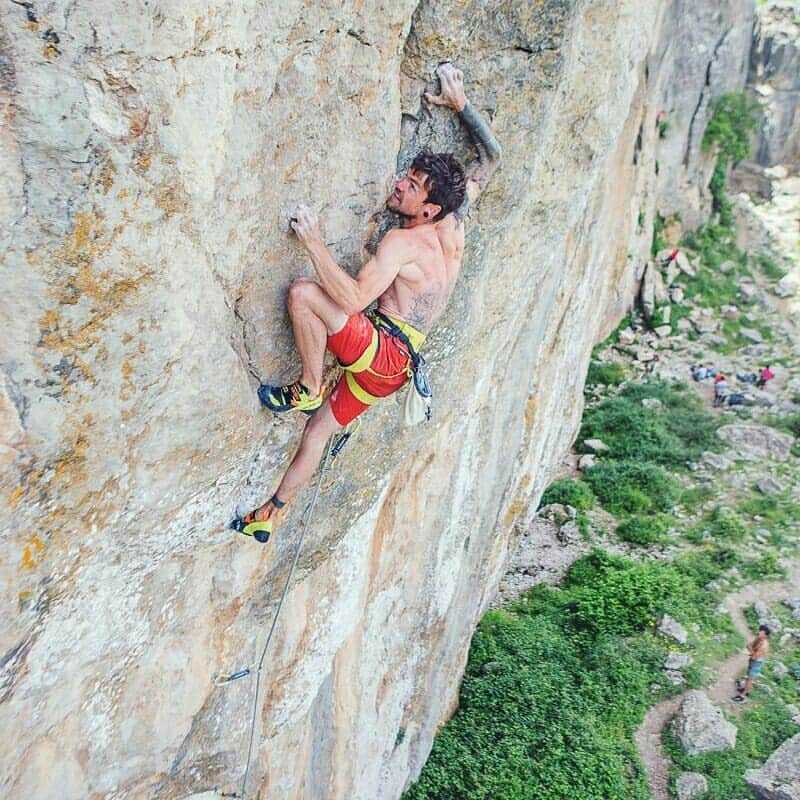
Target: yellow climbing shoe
column 294, row 397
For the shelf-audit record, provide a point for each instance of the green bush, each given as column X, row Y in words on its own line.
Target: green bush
column 643, row 530
column 609, row 374
column 769, row 268
column 733, row 118
column 765, row 566
column 726, row 526
column 613, row 595
column 680, row 429
column 631, row 487
column 550, row 700
column 569, row 492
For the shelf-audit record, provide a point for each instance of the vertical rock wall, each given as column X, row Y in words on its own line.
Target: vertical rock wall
column 774, row 76
column 149, row 155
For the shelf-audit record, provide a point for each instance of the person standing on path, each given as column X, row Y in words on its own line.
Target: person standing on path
column 758, row 650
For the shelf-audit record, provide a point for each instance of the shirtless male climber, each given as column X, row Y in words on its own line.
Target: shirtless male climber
column 411, row 275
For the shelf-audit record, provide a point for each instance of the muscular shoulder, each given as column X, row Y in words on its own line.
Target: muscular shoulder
column 397, row 245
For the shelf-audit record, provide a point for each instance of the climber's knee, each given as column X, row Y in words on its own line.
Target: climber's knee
column 302, row 294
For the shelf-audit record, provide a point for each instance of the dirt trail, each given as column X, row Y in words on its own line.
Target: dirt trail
column 648, row 734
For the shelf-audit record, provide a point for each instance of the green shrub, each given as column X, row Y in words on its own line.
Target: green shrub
column 658, row 242
column 569, row 492
column 733, row 118
column 680, row 429
column 546, row 710
column 613, row 595
column 631, row 487
column 643, row 530
column 765, row 566
column 726, row 526
column 769, row 268
column 609, row 374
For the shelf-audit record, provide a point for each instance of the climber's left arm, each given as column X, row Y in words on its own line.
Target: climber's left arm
column 453, row 96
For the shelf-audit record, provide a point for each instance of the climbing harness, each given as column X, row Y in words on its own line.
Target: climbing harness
column 332, row 449
column 418, row 400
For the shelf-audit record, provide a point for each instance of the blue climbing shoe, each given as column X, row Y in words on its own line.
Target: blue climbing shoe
column 294, row 397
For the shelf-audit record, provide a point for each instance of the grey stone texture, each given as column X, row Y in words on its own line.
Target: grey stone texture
column 691, row 785
column 701, row 727
column 779, row 778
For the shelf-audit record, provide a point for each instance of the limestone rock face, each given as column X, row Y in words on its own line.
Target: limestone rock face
column 774, row 77
column 149, row 154
column 701, row 727
column 779, row 778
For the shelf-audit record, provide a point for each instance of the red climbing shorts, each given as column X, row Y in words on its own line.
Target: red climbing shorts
column 387, row 372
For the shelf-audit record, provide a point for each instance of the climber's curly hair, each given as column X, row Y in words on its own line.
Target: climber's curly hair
column 446, row 183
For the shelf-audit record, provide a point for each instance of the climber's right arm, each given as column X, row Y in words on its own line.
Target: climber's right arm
column 453, row 96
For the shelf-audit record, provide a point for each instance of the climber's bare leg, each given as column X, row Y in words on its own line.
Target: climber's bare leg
column 318, row 430
column 314, row 316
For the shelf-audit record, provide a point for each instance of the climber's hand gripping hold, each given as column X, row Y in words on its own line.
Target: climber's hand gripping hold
column 305, row 224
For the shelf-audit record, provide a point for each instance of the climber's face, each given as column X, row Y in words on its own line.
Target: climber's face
column 410, row 197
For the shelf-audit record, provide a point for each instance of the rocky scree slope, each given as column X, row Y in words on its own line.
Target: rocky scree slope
column 150, row 155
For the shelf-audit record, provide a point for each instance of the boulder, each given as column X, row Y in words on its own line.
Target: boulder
column 747, row 291
column 701, row 727
column 662, row 331
column 627, row 336
column 779, row 669
column 675, row 677
column 651, row 402
column 752, row 335
column 727, row 266
column 569, row 533
column 671, row 273
column 647, row 292
column 705, row 325
column 672, row 628
column 769, row 486
column 684, row 324
column 683, row 264
column 779, row 778
column 730, row 312
column 766, row 616
column 677, row 661
column 691, row 785
column 676, row 295
column 596, row 445
column 586, row 461
column 753, row 442
column 716, row 461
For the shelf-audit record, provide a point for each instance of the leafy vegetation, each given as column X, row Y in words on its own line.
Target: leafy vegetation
column 553, row 693
column 632, row 487
column 643, row 530
column 733, row 118
column 609, row 374
column 677, row 430
column 569, row 492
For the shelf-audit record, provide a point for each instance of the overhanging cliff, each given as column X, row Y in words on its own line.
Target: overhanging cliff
column 150, row 155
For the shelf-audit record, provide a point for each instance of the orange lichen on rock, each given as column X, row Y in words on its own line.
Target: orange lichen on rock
column 34, row 548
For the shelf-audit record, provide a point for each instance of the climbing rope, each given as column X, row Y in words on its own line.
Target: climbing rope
column 332, row 449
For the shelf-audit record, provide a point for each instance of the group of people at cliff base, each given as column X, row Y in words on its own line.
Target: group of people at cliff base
column 722, row 396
